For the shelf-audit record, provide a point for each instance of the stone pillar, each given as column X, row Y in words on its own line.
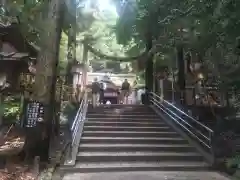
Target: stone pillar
column 181, row 72
column 167, row 89
column 1, row 109
column 161, row 88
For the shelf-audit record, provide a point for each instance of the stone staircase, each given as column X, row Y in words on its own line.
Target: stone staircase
column 132, row 138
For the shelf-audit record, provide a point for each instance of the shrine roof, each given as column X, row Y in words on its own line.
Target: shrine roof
column 13, row 56
column 11, row 34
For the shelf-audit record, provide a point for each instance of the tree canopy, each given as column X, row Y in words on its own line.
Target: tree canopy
column 208, row 28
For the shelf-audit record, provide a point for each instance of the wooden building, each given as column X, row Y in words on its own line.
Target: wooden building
column 16, row 55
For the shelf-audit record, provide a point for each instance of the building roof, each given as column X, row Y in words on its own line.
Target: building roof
column 11, row 33
column 12, row 56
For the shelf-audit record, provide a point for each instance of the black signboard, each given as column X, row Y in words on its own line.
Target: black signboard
column 34, row 114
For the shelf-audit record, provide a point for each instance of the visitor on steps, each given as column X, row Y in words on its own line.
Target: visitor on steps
column 101, row 94
column 95, row 92
column 125, row 91
column 141, row 95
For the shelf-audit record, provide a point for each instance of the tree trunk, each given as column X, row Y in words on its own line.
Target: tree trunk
column 46, row 69
column 85, row 55
column 156, row 82
column 56, row 107
column 86, row 65
column 70, row 59
column 181, row 72
column 149, row 68
column 71, row 50
column 1, row 109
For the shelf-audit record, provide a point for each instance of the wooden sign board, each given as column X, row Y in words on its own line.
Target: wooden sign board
column 34, row 113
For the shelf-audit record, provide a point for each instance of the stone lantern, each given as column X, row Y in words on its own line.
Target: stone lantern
column 79, row 76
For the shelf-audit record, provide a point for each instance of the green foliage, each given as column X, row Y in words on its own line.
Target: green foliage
column 1, row 109
column 69, row 111
column 233, row 161
column 209, row 28
column 10, row 109
column 30, row 15
column 100, row 35
column 142, row 18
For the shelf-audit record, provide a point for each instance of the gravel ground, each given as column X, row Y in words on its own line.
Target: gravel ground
column 57, row 147
column 16, row 170
column 12, row 168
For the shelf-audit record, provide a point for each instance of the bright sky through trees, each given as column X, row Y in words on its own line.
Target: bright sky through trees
column 106, row 5
column 102, row 5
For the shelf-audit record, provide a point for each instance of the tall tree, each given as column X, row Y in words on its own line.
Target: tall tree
column 71, row 56
column 145, row 22
column 47, row 62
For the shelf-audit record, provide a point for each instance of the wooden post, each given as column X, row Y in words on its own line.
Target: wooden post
column 1, row 110
column 161, row 89
column 181, row 72
column 149, row 67
column 71, row 56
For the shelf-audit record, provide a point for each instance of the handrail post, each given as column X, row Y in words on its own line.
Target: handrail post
column 69, row 154
column 210, row 142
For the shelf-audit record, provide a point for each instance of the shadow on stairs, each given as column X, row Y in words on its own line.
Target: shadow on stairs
column 132, row 138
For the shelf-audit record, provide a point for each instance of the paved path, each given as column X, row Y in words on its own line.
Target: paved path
column 152, row 175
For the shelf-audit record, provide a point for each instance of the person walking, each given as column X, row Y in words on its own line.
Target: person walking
column 134, row 92
column 101, row 93
column 125, row 91
column 95, row 92
column 141, row 95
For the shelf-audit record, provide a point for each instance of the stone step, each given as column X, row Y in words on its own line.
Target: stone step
column 115, row 115
column 94, row 147
column 120, row 123
column 127, row 128
column 124, row 119
column 82, row 167
column 133, row 140
column 124, row 107
column 106, row 156
column 123, row 112
column 128, row 134
column 119, row 111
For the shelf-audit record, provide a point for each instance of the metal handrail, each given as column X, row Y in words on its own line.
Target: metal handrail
column 182, row 112
column 80, row 117
column 185, row 122
column 180, row 118
column 76, row 130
